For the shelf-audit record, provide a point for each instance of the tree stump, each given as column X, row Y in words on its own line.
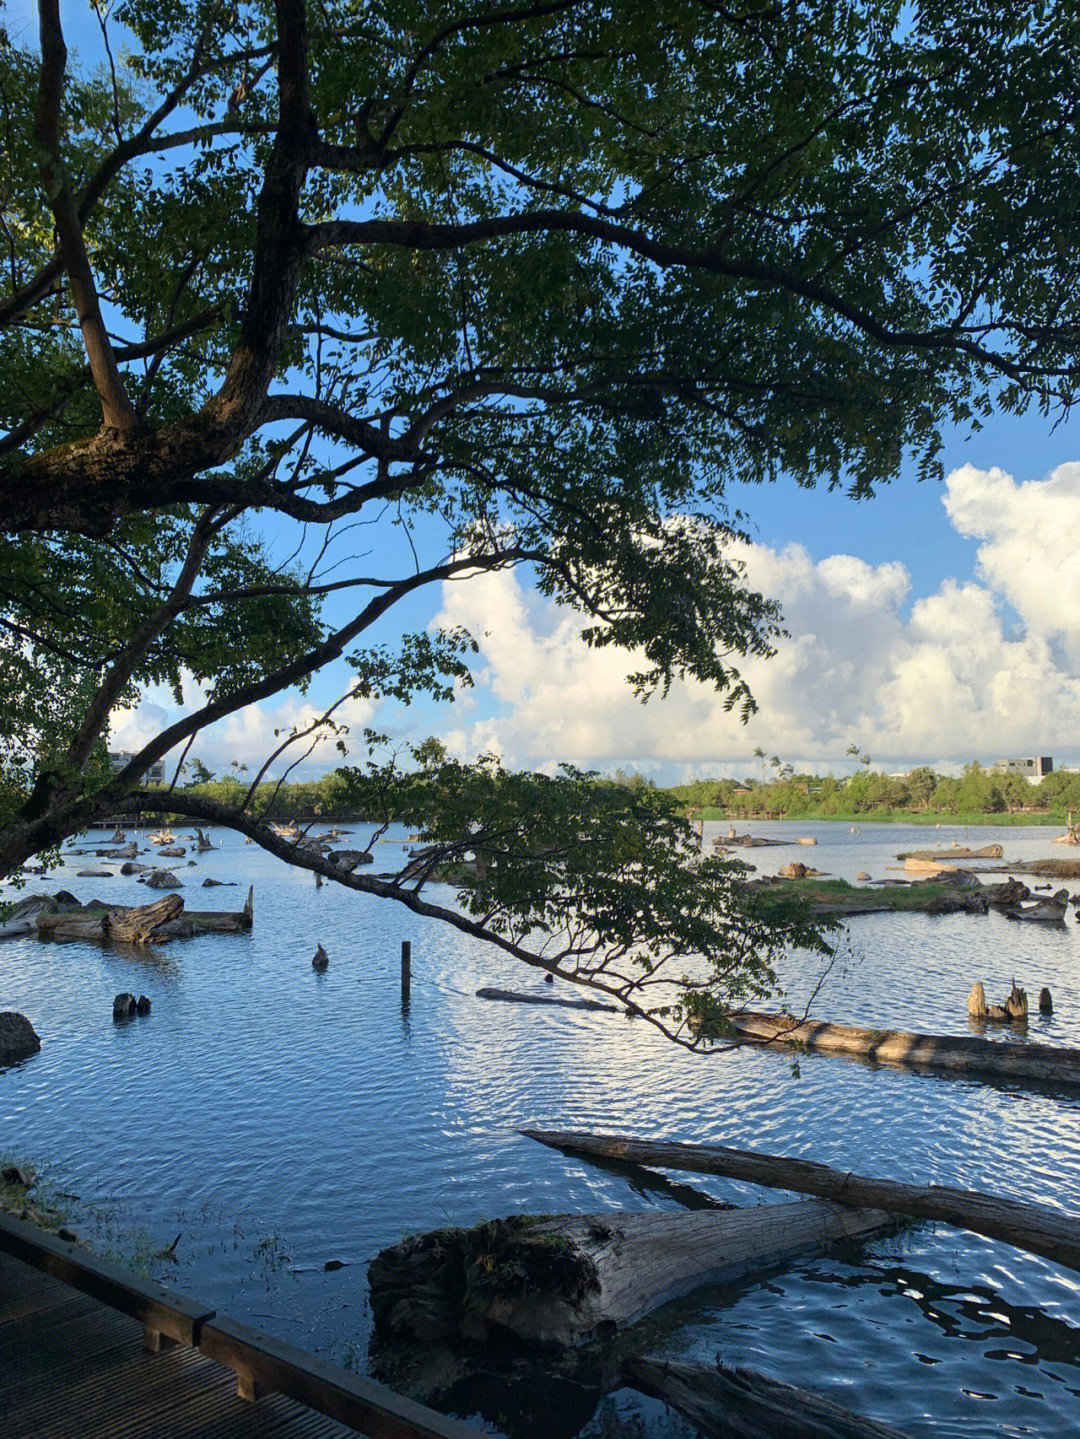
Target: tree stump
column 1046, row 1001
column 976, row 1001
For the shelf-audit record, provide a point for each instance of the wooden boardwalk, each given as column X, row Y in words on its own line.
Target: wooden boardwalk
column 75, row 1367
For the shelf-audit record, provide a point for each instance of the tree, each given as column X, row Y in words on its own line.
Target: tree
column 519, row 286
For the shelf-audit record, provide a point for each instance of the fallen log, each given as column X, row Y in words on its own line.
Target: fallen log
column 1046, row 868
column 727, row 1403
column 135, row 926
column 193, row 922
column 559, row 1279
column 517, row 998
column 1048, row 1232
column 955, row 1056
column 165, row 919
column 957, row 851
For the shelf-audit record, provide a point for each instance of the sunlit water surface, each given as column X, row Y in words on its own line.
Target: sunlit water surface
column 276, row 1119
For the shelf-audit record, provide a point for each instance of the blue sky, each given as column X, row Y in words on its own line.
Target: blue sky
column 932, row 624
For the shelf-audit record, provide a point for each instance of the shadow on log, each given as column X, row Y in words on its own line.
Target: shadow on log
column 739, row 1404
column 565, row 1279
column 955, row 1056
column 1049, row 1232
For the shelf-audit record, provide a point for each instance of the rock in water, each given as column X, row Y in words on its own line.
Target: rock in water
column 164, row 879
column 17, row 1037
column 321, row 963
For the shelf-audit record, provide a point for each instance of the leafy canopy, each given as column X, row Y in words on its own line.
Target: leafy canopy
column 493, row 286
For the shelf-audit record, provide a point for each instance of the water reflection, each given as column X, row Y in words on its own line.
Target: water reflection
column 327, row 1119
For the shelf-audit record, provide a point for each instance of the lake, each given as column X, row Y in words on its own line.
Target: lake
column 276, row 1119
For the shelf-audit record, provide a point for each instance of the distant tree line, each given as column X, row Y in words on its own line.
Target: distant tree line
column 977, row 791
column 871, row 792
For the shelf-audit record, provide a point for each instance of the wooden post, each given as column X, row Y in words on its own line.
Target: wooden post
column 406, row 971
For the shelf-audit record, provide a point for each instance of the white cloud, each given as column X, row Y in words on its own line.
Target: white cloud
column 943, row 680
column 249, row 736
column 1029, row 552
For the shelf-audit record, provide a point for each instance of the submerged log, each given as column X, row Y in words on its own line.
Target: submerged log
column 515, row 997
column 563, row 1278
column 725, row 1403
column 948, row 1054
column 1049, row 1232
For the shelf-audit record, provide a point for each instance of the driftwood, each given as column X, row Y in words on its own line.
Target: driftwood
column 563, row 1278
column 725, row 1403
column 194, row 922
column 951, row 1055
column 1046, row 868
column 1043, row 911
column 135, row 926
column 153, row 923
column 514, row 997
column 1048, row 1232
column 957, row 851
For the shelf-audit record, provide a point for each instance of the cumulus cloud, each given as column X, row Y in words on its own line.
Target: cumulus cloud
column 934, row 678
column 1028, row 551
column 247, row 737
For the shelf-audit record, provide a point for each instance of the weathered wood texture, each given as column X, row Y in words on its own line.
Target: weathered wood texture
column 955, row 1055
column 727, row 1403
column 565, row 1278
column 1025, row 1225
column 135, row 926
column 72, row 1331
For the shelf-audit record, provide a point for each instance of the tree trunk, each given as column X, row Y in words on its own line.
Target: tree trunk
column 951, row 1055
column 561, row 1279
column 727, row 1403
column 1029, row 1226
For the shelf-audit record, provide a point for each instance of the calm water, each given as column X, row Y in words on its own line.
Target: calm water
column 277, row 1119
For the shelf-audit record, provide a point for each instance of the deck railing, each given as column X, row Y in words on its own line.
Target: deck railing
column 261, row 1363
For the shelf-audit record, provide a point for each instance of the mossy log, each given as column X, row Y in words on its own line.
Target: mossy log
column 727, row 1403
column 959, row 1056
column 133, row 926
column 561, row 1279
column 1051, row 1233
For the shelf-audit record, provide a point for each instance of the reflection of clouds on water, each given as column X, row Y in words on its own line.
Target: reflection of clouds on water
column 258, row 1089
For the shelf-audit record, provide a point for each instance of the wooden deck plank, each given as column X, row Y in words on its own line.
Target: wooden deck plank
column 72, row 1367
